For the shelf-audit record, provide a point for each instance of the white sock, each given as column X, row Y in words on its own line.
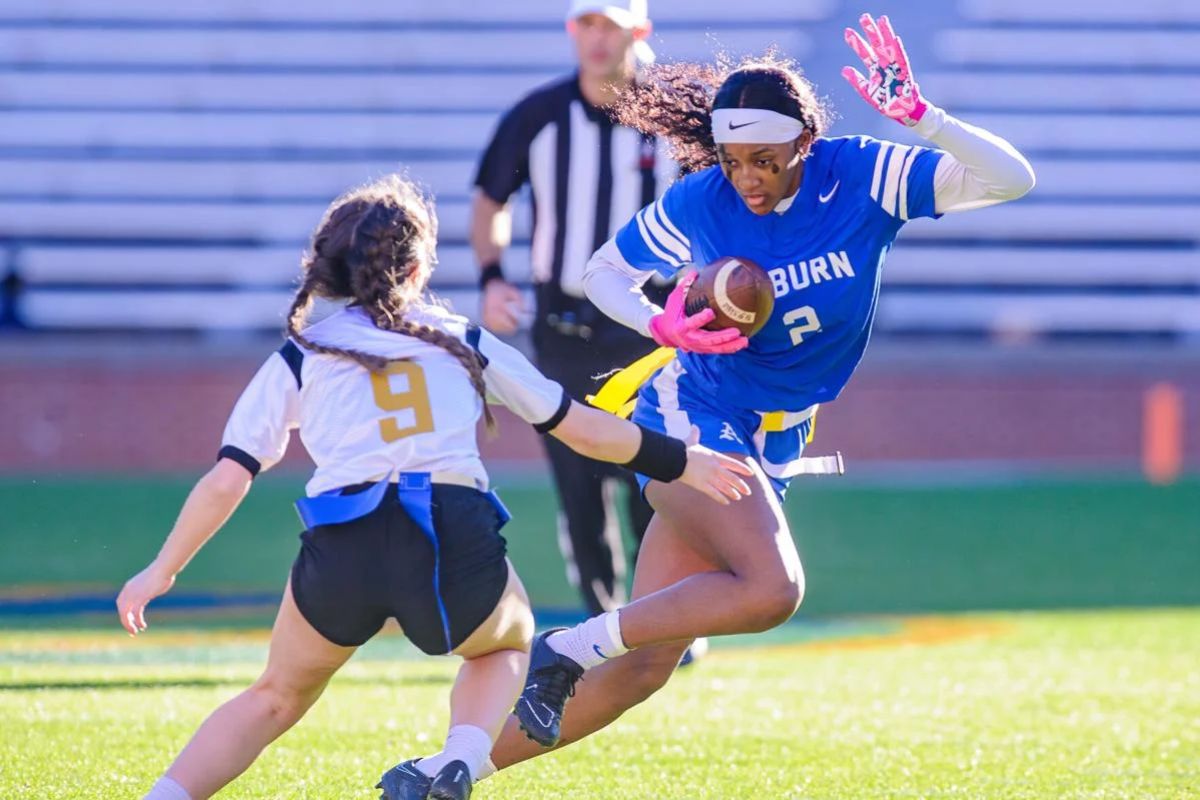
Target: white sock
column 167, row 789
column 591, row 642
column 464, row 743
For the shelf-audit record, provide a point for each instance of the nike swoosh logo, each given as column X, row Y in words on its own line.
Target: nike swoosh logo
column 599, row 652
column 541, row 721
column 733, row 127
column 825, row 198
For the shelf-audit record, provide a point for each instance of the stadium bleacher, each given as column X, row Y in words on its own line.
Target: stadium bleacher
column 163, row 163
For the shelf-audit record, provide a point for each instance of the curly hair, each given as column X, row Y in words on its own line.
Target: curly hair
column 675, row 102
column 375, row 247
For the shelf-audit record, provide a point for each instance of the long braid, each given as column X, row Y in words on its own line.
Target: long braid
column 298, row 316
column 391, row 320
column 471, row 360
column 376, row 246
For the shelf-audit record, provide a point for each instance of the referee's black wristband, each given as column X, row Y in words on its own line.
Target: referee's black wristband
column 490, row 272
column 660, row 457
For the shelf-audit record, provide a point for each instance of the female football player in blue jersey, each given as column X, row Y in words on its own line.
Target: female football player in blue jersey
column 387, row 393
column 819, row 214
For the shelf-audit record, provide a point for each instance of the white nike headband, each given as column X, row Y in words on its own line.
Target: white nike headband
column 754, row 126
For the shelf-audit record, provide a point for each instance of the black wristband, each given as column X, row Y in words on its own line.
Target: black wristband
column 490, row 272
column 662, row 458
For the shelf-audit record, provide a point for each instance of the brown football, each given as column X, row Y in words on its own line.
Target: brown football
column 737, row 290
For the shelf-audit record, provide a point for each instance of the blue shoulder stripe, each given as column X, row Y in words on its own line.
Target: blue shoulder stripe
column 294, row 358
column 473, row 334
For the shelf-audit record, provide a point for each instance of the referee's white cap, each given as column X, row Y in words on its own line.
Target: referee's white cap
column 626, row 13
column 629, row 14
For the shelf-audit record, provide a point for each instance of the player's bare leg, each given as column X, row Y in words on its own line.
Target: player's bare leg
column 755, row 572
column 663, row 559
column 759, row 577
column 495, row 659
column 496, row 655
column 300, row 664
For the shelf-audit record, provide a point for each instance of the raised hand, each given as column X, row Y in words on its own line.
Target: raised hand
column 674, row 328
column 889, row 85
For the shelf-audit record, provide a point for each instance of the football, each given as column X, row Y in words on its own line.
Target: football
column 737, row 290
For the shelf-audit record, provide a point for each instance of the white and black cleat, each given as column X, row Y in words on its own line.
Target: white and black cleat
column 404, row 782
column 551, row 681
column 453, row 782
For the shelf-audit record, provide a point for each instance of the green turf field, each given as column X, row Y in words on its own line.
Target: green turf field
column 1035, row 705
column 866, row 548
column 841, row 704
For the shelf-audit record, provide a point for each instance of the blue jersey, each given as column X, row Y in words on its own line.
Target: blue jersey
column 823, row 254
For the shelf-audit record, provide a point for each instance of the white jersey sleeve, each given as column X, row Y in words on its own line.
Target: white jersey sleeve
column 980, row 168
column 517, row 384
column 615, row 287
column 258, row 430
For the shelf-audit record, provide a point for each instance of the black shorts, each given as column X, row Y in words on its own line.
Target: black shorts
column 349, row 578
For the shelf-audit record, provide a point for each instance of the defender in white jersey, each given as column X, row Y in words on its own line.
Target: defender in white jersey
column 387, row 394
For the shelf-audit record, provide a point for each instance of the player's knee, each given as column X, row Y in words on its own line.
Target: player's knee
column 773, row 602
column 282, row 702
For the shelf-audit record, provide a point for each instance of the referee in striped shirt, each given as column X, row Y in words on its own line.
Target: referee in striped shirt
column 588, row 177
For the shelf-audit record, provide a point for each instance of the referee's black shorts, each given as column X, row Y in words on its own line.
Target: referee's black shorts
column 350, row 577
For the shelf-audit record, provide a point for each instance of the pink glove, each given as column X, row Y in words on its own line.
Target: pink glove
column 673, row 328
column 891, row 87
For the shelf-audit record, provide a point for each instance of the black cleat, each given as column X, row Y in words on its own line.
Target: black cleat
column 452, row 783
column 550, row 682
column 404, row 782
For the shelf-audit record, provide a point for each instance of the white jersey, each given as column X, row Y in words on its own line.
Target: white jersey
column 418, row 415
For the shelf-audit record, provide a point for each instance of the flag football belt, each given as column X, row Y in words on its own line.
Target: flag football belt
column 618, row 395
column 413, row 489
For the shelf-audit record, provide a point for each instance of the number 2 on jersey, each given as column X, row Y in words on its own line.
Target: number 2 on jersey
column 414, row 398
column 807, row 317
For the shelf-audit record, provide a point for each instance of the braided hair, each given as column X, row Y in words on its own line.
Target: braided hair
column 675, row 102
column 375, row 247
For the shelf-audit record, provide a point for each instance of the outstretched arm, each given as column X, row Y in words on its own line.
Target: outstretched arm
column 215, row 497
column 516, row 383
column 255, row 438
column 603, row 436
column 980, row 168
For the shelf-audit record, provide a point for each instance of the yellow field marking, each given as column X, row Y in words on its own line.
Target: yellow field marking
column 925, row 630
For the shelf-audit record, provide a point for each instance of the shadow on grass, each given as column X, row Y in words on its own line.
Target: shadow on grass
column 207, row 683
